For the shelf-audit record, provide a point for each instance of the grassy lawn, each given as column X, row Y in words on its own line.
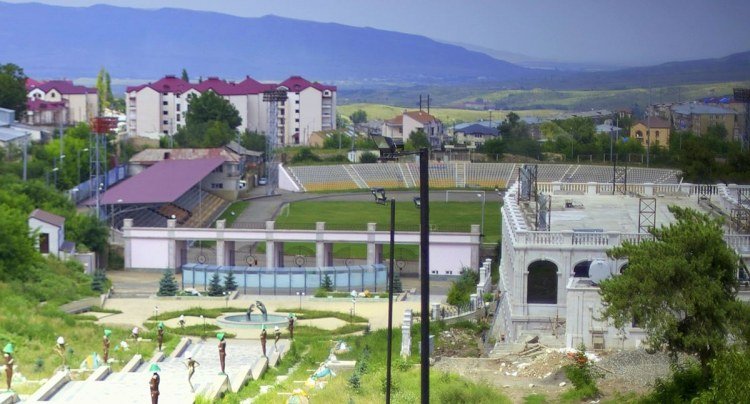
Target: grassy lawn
column 233, row 212
column 444, row 216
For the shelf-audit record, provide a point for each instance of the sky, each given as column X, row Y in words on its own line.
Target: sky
column 615, row 32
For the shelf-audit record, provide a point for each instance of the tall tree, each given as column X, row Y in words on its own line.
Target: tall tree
column 681, row 287
column 210, row 106
column 358, row 116
column 13, row 88
column 103, row 90
column 417, row 140
column 253, row 141
column 185, row 75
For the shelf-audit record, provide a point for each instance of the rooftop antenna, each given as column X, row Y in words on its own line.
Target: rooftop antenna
column 428, row 103
column 420, row 102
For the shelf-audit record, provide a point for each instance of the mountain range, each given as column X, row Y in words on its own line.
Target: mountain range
column 75, row 42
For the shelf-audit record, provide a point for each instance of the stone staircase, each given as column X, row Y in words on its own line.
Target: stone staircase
column 361, row 183
column 131, row 385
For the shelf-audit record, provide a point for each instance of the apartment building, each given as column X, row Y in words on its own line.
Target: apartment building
column 698, row 118
column 158, row 109
column 58, row 102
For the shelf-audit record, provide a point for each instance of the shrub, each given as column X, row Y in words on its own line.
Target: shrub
column 305, row 155
column 463, row 287
column 368, row 157
column 582, row 375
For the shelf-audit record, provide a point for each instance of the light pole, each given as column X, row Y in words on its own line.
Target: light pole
column 353, row 294
column 300, row 294
column 78, row 160
column 381, row 200
column 481, row 228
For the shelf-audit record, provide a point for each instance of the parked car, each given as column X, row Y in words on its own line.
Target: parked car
column 262, row 181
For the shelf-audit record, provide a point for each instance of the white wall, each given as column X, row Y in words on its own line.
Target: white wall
column 149, row 253
column 55, row 234
column 310, row 118
column 148, row 113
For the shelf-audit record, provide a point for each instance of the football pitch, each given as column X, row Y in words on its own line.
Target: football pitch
column 343, row 215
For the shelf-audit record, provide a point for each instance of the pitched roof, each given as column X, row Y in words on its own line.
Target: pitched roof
column 156, row 155
column 421, row 116
column 477, row 129
column 163, row 182
column 239, row 149
column 219, row 86
column 65, row 87
column 167, row 84
column 655, row 122
column 47, row 217
column 8, row 134
column 295, row 84
column 173, row 84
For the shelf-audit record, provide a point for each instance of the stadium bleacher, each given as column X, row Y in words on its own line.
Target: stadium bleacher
column 449, row 175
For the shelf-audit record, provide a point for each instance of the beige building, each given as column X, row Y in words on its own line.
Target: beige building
column 400, row 127
column 158, row 109
column 652, row 131
column 697, row 118
column 60, row 102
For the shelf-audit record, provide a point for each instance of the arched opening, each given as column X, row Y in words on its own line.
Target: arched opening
column 623, row 268
column 542, row 283
column 581, row 270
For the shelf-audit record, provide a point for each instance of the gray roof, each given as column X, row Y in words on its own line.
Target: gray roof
column 239, row 149
column 9, row 134
column 689, row 109
column 47, row 217
column 489, row 124
column 478, row 129
column 604, row 128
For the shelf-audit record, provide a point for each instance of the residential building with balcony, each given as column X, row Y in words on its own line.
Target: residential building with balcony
column 697, row 118
column 652, row 131
column 159, row 109
column 60, row 102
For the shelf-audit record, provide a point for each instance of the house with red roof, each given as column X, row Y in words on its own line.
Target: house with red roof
column 158, row 109
column 58, row 102
column 401, row 127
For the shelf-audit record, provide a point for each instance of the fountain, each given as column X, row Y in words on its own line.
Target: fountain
column 246, row 320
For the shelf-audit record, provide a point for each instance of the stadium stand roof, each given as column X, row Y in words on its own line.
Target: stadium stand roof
column 163, row 182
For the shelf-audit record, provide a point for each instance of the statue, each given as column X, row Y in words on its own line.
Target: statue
column 160, row 334
column 182, row 321
column 222, row 350
column 60, row 349
column 134, row 333
column 276, row 337
column 263, row 337
column 8, row 355
column 191, row 365
column 262, row 308
column 105, row 345
column 249, row 313
column 291, row 325
column 153, row 384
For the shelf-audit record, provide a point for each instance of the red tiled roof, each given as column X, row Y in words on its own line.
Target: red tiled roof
column 295, row 84
column 219, row 86
column 47, row 217
column 65, row 87
column 40, row 105
column 399, row 120
column 252, row 86
column 172, row 84
column 421, row 116
column 163, row 182
column 32, row 84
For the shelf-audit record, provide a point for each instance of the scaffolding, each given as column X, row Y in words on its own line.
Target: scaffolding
column 646, row 214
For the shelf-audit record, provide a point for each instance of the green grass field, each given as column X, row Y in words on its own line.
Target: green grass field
column 444, row 217
column 585, row 99
column 447, row 115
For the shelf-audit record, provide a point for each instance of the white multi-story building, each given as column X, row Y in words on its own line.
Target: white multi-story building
column 158, row 109
column 548, row 278
column 60, row 102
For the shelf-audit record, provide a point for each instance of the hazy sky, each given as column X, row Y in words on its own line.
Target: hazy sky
column 632, row 32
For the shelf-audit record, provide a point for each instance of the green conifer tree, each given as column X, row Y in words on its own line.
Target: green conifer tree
column 214, row 287
column 229, row 283
column 167, row 285
column 327, row 284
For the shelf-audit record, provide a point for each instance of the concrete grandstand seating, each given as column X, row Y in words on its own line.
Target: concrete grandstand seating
column 449, row 175
column 324, row 178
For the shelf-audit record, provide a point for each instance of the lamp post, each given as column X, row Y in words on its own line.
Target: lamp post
column 78, row 160
column 381, row 200
column 481, row 228
column 300, row 294
column 354, row 304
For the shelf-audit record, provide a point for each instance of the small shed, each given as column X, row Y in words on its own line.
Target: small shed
column 51, row 232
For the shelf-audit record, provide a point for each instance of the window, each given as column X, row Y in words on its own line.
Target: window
column 178, row 117
column 296, row 102
column 177, row 95
column 165, row 112
column 165, row 132
column 657, row 133
column 296, row 120
column 542, row 283
column 217, row 185
column 296, row 110
column 178, row 106
column 44, row 243
column 164, row 103
column 165, row 122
